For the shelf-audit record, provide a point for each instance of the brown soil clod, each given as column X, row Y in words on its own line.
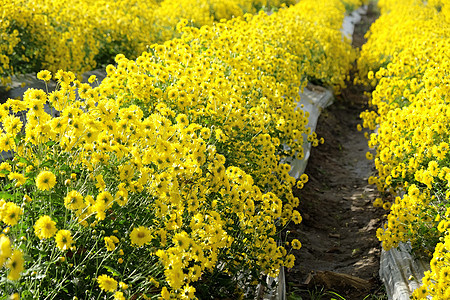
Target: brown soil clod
column 339, row 281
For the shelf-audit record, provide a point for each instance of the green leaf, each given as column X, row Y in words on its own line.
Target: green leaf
column 48, row 163
column 26, row 295
column 23, row 160
column 5, row 195
column 50, row 143
column 113, row 271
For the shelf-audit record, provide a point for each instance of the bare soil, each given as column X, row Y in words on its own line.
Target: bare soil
column 340, row 251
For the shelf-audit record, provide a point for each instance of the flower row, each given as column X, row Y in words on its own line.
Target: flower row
column 406, row 61
column 80, row 35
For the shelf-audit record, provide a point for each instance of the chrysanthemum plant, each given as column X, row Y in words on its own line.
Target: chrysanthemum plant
column 103, row 200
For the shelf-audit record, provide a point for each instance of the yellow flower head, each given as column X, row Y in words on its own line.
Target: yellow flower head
column 74, row 200
column 100, row 182
column 109, row 243
column 15, row 265
column 165, row 294
column 5, row 249
column 121, row 197
column 46, row 180
column 44, row 227
column 188, row 292
column 44, row 75
column 119, row 296
column 14, row 296
column 12, row 125
column 289, row 261
column 99, row 208
column 11, row 213
column 63, row 239
column 92, row 78
column 296, row 217
column 123, row 285
column 140, row 236
column 296, row 244
column 107, row 283
column 106, row 198
column 6, row 144
column 19, row 178
column 27, row 198
column 4, row 169
column 181, row 240
column 304, row 178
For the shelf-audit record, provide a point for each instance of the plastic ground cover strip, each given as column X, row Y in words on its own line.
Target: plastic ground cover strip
column 401, row 272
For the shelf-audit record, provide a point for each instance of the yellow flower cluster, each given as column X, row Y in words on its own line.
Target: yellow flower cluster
column 12, row 259
column 78, row 35
column 167, row 172
column 383, row 46
column 9, row 39
column 169, row 13
column 45, row 35
column 406, row 61
column 162, row 166
column 436, row 281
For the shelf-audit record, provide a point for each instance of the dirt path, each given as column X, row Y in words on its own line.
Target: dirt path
column 340, row 251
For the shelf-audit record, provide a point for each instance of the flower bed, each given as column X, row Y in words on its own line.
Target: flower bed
column 406, row 60
column 80, row 35
column 164, row 179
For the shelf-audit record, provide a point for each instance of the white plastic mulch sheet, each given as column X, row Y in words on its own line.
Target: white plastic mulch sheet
column 401, row 272
column 348, row 26
column 313, row 100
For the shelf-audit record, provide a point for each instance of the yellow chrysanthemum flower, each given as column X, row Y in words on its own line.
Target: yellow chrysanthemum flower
column 12, row 125
column 19, row 178
column 74, row 200
column 165, row 294
column 296, row 244
column 63, row 239
column 107, row 283
column 106, row 198
column 44, row 75
column 121, row 197
column 289, row 261
column 296, row 217
column 140, row 236
column 109, row 243
column 46, row 180
column 45, row 227
column 11, row 213
column 119, row 296
column 15, row 265
column 123, row 285
column 5, row 168
column 14, row 296
column 5, row 249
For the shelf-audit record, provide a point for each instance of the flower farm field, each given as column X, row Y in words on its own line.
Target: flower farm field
column 164, row 181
